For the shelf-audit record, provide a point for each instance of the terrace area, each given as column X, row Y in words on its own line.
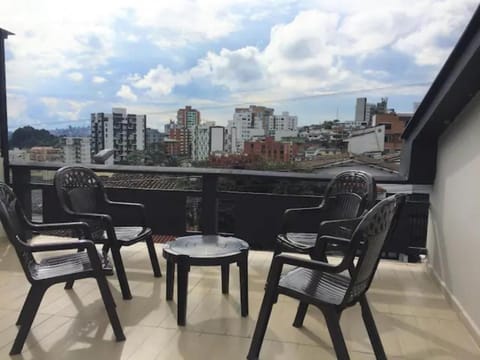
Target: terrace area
column 424, row 309
column 414, row 319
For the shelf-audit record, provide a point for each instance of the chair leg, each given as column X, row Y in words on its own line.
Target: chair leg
column 225, row 278
column 122, row 276
column 110, row 307
column 183, row 268
column 243, row 270
column 372, row 329
column 26, row 306
column 333, row 323
column 262, row 323
column 153, row 257
column 28, row 314
column 69, row 285
column 170, row 279
column 300, row 317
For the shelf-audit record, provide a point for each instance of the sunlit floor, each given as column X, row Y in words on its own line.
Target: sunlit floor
column 413, row 317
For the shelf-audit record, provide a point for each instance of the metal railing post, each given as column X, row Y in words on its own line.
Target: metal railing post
column 21, row 180
column 209, row 217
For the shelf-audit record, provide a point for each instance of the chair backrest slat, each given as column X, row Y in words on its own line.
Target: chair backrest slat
column 79, row 189
column 356, row 182
column 367, row 242
column 13, row 221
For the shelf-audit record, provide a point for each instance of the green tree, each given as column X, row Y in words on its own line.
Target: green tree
column 28, row 137
column 136, row 157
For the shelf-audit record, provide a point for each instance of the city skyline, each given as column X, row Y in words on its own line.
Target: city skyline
column 311, row 58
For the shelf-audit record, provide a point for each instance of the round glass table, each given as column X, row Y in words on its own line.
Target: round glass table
column 205, row 250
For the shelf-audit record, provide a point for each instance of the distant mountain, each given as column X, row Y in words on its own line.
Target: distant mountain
column 80, row 131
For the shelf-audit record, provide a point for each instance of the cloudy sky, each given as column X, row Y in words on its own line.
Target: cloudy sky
column 312, row 58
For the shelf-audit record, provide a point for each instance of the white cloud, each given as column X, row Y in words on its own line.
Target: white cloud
column 159, row 81
column 65, row 109
column 323, row 46
column 125, row 92
column 75, row 76
column 233, row 69
column 17, row 105
column 98, row 79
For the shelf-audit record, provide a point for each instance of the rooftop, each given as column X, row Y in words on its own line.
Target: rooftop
column 414, row 319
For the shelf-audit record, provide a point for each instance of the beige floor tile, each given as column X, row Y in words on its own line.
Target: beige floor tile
column 413, row 318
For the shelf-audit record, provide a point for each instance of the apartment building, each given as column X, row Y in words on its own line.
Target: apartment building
column 207, row 139
column 45, row 153
column 394, row 126
column 188, row 117
column 120, row 131
column 272, row 150
column 76, row 150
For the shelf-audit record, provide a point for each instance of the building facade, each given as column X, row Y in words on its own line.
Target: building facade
column 272, row 150
column 394, row 127
column 284, row 122
column 256, row 122
column 369, row 140
column 125, row 133
column 76, row 150
column 207, row 139
column 46, row 153
column 188, row 117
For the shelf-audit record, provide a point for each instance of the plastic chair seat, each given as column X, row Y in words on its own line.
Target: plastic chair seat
column 127, row 235
column 61, row 265
column 320, row 286
column 298, row 240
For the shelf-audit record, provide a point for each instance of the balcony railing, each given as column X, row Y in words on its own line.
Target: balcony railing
column 253, row 216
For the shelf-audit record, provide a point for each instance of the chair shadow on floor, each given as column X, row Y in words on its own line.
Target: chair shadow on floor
column 89, row 336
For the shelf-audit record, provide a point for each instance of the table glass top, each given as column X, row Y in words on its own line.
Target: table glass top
column 206, row 246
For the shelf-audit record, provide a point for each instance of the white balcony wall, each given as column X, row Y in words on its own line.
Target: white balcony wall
column 454, row 232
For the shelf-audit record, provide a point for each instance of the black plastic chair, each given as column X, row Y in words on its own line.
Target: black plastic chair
column 346, row 197
column 51, row 270
column 82, row 196
column 333, row 288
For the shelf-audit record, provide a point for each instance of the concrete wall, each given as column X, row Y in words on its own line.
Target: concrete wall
column 454, row 224
column 368, row 140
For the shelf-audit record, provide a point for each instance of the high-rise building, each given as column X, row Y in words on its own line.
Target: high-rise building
column 188, row 117
column 360, row 109
column 364, row 111
column 248, row 123
column 181, row 132
column 284, row 125
column 154, row 139
column 207, row 139
column 76, row 150
column 170, row 125
column 120, row 131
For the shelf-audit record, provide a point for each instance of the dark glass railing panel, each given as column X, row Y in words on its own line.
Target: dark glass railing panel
column 245, row 203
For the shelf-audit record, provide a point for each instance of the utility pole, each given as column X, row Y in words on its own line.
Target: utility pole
column 3, row 108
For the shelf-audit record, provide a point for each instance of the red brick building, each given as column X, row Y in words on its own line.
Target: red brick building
column 182, row 136
column 188, row 117
column 394, row 126
column 272, row 150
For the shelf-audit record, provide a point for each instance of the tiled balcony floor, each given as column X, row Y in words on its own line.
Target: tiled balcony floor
column 413, row 317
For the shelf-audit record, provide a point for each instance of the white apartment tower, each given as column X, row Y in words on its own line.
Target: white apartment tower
column 76, row 150
column 207, row 139
column 247, row 123
column 120, row 131
column 284, row 125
